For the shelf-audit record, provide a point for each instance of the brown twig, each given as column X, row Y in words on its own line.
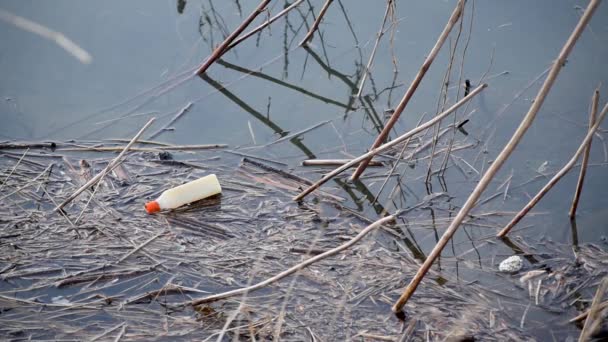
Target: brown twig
column 109, row 167
column 557, row 176
column 222, row 48
column 295, row 268
column 410, row 91
column 581, row 176
column 388, row 145
column 265, row 24
column 315, row 25
column 333, row 162
column 591, row 321
column 379, row 35
column 502, row 157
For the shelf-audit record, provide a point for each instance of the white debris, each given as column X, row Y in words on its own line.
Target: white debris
column 511, row 264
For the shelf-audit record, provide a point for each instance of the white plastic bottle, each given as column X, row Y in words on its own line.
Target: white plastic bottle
column 186, row 193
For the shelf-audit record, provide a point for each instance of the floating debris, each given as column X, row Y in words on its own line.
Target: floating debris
column 511, row 264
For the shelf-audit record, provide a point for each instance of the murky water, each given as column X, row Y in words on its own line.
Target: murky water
column 268, row 87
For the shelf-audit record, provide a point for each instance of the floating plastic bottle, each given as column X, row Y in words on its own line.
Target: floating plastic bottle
column 186, row 193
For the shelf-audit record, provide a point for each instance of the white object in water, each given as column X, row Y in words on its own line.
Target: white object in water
column 511, row 264
column 186, row 193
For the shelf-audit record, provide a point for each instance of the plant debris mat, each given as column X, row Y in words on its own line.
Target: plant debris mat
column 105, row 270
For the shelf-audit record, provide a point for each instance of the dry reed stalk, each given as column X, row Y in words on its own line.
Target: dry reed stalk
column 410, row 91
column 502, row 157
column 333, row 162
column 584, row 315
column 315, row 25
column 265, row 24
column 295, row 268
column 592, row 322
column 222, row 48
column 390, row 144
column 159, row 148
column 379, row 35
column 581, row 176
column 557, row 176
column 109, row 167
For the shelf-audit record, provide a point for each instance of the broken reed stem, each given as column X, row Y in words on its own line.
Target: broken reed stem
column 222, row 48
column 315, row 25
column 264, row 25
column 333, row 162
column 295, row 268
column 591, row 322
column 141, row 246
column 371, row 57
column 158, row 148
column 581, row 176
column 500, row 159
column 557, row 176
column 390, row 144
column 410, row 91
column 109, row 167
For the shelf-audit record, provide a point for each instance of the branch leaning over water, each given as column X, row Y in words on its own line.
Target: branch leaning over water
column 500, row 159
column 295, row 268
column 388, row 145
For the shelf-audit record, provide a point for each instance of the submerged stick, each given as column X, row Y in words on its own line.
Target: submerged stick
column 295, row 268
column 315, row 25
column 557, row 177
column 222, row 48
column 581, row 175
column 591, row 321
column 388, row 145
column 502, row 157
column 109, row 167
column 410, row 91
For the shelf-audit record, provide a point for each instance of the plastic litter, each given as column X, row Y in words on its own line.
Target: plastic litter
column 186, row 193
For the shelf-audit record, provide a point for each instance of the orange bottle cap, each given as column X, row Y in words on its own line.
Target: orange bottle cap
column 152, row 207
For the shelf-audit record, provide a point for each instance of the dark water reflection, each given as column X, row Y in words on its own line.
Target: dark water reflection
column 272, row 87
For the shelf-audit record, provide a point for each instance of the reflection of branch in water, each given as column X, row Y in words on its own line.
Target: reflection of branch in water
column 261, row 117
column 280, row 82
column 369, row 109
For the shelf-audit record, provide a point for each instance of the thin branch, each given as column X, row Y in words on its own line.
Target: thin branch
column 581, row 176
column 557, row 176
column 590, row 322
column 295, row 268
column 371, row 57
column 315, row 25
column 264, row 25
column 225, row 46
column 388, row 145
column 499, row 161
column 410, row 91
